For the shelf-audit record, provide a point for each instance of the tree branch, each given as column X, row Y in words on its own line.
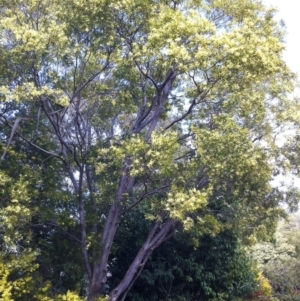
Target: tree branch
column 143, row 196
column 14, row 131
column 60, row 227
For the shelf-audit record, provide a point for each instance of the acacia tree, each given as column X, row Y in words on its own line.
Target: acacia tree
column 158, row 104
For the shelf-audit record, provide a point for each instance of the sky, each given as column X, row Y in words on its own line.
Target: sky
column 288, row 11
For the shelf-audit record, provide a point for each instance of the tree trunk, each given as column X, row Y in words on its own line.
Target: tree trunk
column 99, row 277
column 99, row 273
column 158, row 234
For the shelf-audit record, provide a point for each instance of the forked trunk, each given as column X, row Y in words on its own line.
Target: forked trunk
column 158, row 234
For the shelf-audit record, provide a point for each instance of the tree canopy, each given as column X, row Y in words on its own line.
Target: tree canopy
column 108, row 106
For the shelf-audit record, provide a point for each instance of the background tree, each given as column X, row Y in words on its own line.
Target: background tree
column 158, row 104
column 279, row 259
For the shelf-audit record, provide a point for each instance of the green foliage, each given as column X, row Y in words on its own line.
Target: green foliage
column 280, row 260
column 35, row 256
column 185, row 268
column 21, row 280
column 5, row 286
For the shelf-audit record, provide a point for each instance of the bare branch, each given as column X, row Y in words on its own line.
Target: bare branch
column 14, row 128
column 189, row 111
column 14, row 131
column 78, row 90
column 143, row 196
column 60, row 227
column 81, row 211
column 147, row 75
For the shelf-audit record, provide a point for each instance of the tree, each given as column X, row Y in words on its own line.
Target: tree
column 279, row 259
column 156, row 104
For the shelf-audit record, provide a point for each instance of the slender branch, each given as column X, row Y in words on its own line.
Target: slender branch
column 14, row 128
column 189, row 111
column 143, row 196
column 161, row 99
column 188, row 154
column 91, row 78
column 28, row 141
column 257, row 138
column 147, row 76
column 81, row 212
column 38, row 119
column 60, row 227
